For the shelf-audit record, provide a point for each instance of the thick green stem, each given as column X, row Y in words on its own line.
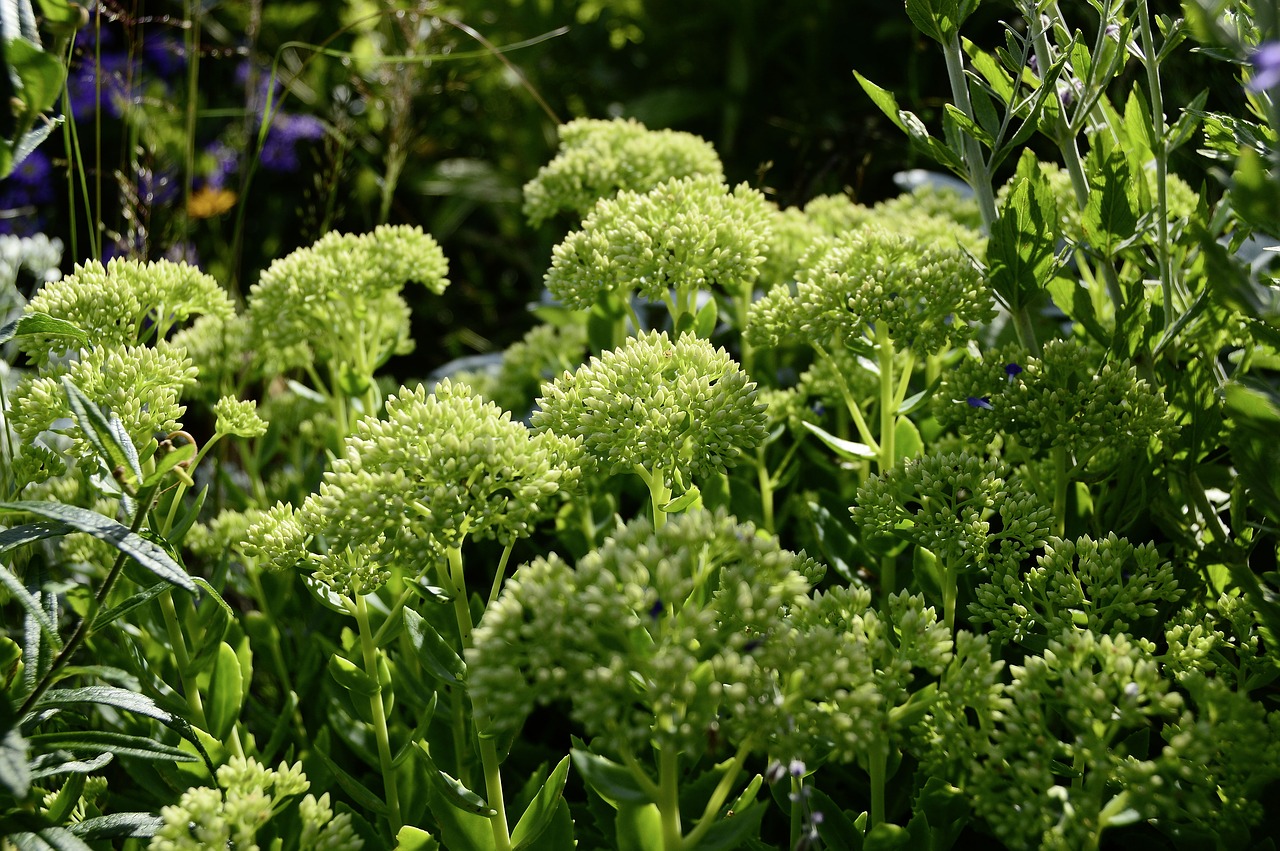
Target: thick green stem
column 493, row 789
column 369, row 652
column 888, row 410
column 877, row 767
column 669, row 798
column 178, row 645
column 765, row 479
column 458, row 590
column 975, row 164
column 950, row 590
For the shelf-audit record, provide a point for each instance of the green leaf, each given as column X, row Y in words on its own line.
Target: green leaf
column 730, row 832
column 33, row 607
column 61, row 839
column 1255, row 192
column 886, row 837
column 147, row 554
column 415, row 839
column 117, row 826
column 460, row 830
column 454, row 791
column 15, row 772
column 883, row 99
column 106, row 433
column 846, row 449
column 141, row 598
column 72, row 766
column 226, row 693
column 44, row 324
column 169, row 460
column 969, row 126
column 434, row 652
column 353, row 787
column 836, row 829
column 1110, row 217
column 684, row 501
column 119, row 698
column 538, row 815
column 705, row 323
column 1021, row 253
column 638, row 827
column 906, row 440
column 608, row 779
column 19, row 536
column 352, row 678
column 40, row 75
column 105, row 741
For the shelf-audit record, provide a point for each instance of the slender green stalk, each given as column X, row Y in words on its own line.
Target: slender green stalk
column 877, row 768
column 369, row 652
column 855, row 411
column 1061, row 480
column 1161, row 154
column 493, row 790
column 720, row 795
column 975, row 163
column 888, row 410
column 796, row 820
column 178, row 646
column 669, row 798
column 500, row 572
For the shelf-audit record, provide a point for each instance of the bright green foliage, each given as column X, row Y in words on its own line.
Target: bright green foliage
column 1224, row 640
column 445, row 466
column 139, row 384
column 925, row 294
column 221, row 349
column 338, row 301
column 1059, row 399
column 650, row 638
column 686, row 234
column 598, row 158
column 1105, row 586
column 681, row 407
column 967, row 511
column 124, row 303
column 250, row 797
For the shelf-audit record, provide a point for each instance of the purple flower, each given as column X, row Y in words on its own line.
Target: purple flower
column 166, row 53
column 156, row 189
column 1266, row 67
column 83, row 85
column 280, row 151
column 226, row 162
column 1012, row 369
column 983, row 402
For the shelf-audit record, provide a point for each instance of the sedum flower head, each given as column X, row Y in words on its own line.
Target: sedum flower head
column 124, row 303
column 139, row 384
column 238, row 417
column 441, row 467
column 679, row 406
column 324, row 302
column 687, row 234
column 221, row 349
column 598, row 158
column 235, row 815
column 1061, row 398
column 927, row 295
column 965, row 510
column 1104, row 586
column 650, row 638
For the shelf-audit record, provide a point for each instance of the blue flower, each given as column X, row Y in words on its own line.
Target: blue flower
column 280, row 151
column 983, row 402
column 1266, row 67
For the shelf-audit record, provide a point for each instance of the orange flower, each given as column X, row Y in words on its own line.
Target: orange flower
column 207, row 203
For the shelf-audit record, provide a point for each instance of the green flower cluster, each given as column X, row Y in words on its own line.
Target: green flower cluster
column 679, row 408
column 251, row 796
column 339, row 301
column 443, row 466
column 543, row 353
column 598, row 158
column 966, row 510
column 651, row 638
column 124, row 303
column 1059, row 399
column 687, row 234
column 1105, row 586
column 926, row 295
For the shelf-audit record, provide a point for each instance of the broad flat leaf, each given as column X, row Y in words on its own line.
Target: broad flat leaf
column 460, row 830
column 226, row 692
column 1110, row 218
column 117, row 826
column 846, row 449
column 433, row 651
column 537, row 817
column 20, row 536
column 608, row 779
column 638, row 827
column 147, row 554
column 107, row 434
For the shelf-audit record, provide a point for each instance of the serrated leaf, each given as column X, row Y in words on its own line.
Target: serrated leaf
column 147, row 554
column 415, row 839
column 29, row 602
column 1110, row 217
column 41, row 323
column 1021, row 253
column 434, row 652
column 538, row 815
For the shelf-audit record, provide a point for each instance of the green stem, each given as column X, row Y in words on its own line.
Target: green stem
column 179, row 647
column 669, row 798
column 500, row 573
column 1161, row 155
column 950, row 590
column 720, row 795
column 975, row 164
column 369, row 652
column 877, row 767
column 1060, row 481
column 854, row 410
column 765, row 479
column 796, row 819
column 493, row 789
column 458, row 590
column 888, row 411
